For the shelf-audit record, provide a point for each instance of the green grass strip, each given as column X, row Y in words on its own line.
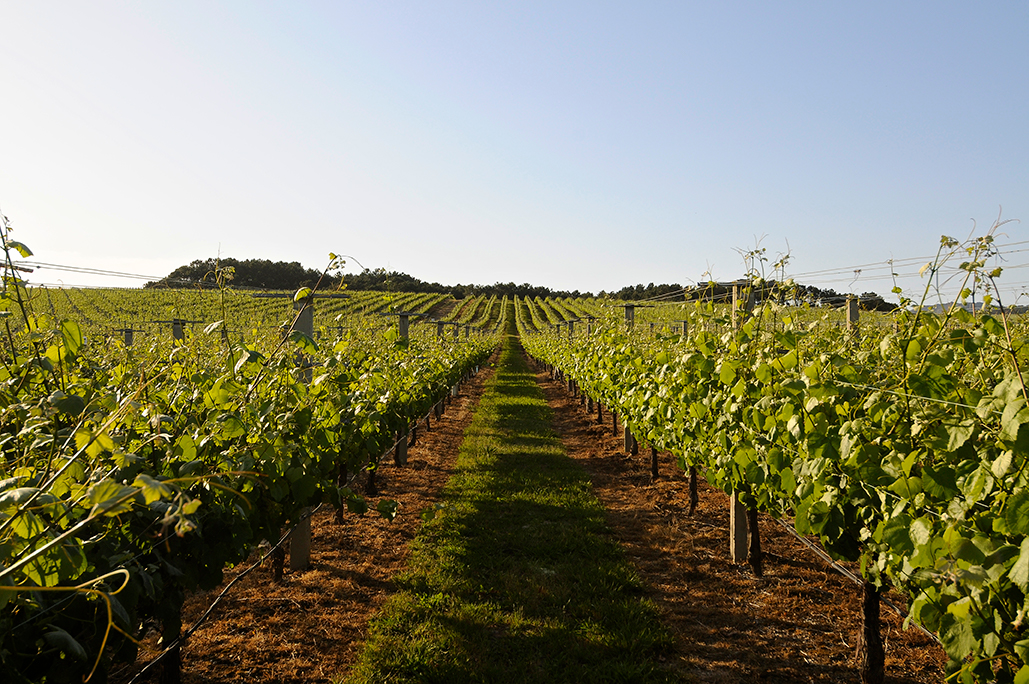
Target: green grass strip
column 516, row 578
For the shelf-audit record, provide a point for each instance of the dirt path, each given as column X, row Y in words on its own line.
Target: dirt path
column 798, row 624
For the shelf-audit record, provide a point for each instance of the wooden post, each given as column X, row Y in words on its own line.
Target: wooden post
column 300, row 543
column 571, row 329
column 694, row 495
column 737, row 529
column 400, row 450
column 439, row 328
column 629, row 441
column 614, row 423
column 630, row 315
column 870, row 652
column 754, row 553
column 653, row 463
column 177, row 331
column 853, row 314
column 457, row 331
column 128, row 336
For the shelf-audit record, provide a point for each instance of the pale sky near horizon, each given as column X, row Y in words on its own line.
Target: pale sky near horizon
column 585, row 145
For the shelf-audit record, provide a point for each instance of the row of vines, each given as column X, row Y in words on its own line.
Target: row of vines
column 903, row 447
column 130, row 476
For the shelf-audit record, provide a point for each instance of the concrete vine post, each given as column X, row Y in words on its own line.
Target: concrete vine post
column 853, row 314
column 404, row 326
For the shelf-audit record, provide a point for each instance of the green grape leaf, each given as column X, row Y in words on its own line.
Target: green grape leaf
column 72, row 404
column 94, row 443
column 957, row 639
column 304, row 488
column 153, row 490
column 728, row 373
column 895, row 534
column 231, row 426
column 387, row 508
column 110, row 498
column 941, row 482
column 64, row 642
column 19, row 247
column 921, row 531
column 1019, row 572
column 1015, row 414
column 304, row 341
column 357, row 505
column 1016, row 513
column 967, row 551
column 71, row 335
column 1002, row 464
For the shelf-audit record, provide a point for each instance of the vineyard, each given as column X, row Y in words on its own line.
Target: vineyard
column 898, row 443
column 155, row 439
column 138, row 467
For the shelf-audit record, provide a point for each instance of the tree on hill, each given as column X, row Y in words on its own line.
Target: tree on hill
column 255, row 273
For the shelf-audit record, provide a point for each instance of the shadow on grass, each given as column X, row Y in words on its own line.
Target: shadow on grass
column 517, row 579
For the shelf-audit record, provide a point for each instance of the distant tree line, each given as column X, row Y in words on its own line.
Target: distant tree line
column 251, row 273
column 387, row 281
column 282, row 275
column 769, row 289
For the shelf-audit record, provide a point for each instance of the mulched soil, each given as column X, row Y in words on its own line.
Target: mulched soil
column 797, row 624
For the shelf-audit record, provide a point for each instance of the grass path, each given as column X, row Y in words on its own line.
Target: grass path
column 516, row 578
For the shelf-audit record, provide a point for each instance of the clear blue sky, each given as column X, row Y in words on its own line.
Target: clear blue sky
column 585, row 145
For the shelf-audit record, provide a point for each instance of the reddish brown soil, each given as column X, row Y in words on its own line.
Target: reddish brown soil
column 797, row 624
